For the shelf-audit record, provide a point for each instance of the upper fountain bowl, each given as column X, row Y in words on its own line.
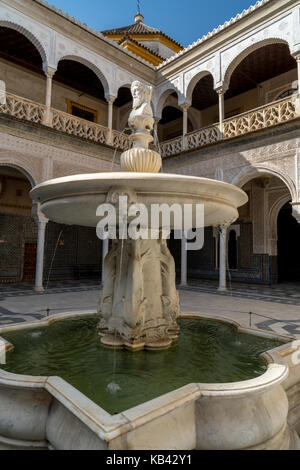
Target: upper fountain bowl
column 73, row 200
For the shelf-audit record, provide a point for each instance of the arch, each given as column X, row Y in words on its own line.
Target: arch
column 160, row 102
column 33, row 39
column 242, row 54
column 173, row 102
column 250, row 172
column 193, row 82
column 22, row 168
column 272, row 222
column 92, row 67
column 125, row 84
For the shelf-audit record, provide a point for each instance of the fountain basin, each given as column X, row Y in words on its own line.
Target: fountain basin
column 74, row 199
column 38, row 412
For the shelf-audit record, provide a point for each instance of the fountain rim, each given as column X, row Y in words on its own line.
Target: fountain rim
column 134, row 181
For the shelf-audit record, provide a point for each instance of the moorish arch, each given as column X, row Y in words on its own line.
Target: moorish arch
column 242, row 54
column 272, row 219
column 250, row 172
column 192, row 82
column 22, row 167
column 172, row 101
column 31, row 37
column 123, row 106
column 160, row 99
column 83, row 61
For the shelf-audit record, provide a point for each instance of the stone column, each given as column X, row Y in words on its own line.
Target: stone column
column 49, row 72
column 185, row 108
column 223, row 258
column 221, row 93
column 41, row 223
column 183, row 261
column 105, row 244
column 110, row 101
column 155, row 130
column 298, row 68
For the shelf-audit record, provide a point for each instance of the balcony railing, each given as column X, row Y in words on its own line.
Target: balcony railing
column 266, row 116
column 260, row 118
column 28, row 110
column 263, row 117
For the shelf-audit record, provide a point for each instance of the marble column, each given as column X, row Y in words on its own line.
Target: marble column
column 183, row 261
column 49, row 72
column 298, row 69
column 110, row 101
column 105, row 244
column 185, row 108
column 221, row 109
column 155, row 131
column 41, row 223
column 223, row 258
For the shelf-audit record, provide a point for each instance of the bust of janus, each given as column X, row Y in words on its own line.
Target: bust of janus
column 141, row 116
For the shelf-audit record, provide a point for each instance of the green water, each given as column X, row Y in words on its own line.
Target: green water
column 207, row 351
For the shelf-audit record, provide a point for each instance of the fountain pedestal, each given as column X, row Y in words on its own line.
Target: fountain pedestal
column 139, row 303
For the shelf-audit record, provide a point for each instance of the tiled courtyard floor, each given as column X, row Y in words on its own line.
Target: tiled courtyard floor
column 274, row 309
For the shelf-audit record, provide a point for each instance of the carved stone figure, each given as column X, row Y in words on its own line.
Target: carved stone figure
column 139, row 304
column 141, row 116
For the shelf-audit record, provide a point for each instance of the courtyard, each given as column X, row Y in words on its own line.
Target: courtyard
column 272, row 309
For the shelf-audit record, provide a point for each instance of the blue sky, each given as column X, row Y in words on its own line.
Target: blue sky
column 183, row 20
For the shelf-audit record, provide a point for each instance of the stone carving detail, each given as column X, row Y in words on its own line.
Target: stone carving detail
column 171, row 147
column 205, row 136
column 266, row 116
column 139, row 303
column 120, row 141
column 79, row 127
column 28, row 110
column 22, row 108
column 141, row 116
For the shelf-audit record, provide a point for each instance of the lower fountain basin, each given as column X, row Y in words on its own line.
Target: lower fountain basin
column 46, row 411
column 74, row 199
column 206, row 351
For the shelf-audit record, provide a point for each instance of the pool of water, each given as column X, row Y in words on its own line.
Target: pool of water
column 207, row 351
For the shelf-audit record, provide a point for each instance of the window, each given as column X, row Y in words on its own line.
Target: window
column 81, row 111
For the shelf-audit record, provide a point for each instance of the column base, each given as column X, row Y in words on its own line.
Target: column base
column 222, row 289
column 39, row 289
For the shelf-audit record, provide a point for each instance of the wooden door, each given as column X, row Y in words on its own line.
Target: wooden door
column 29, row 263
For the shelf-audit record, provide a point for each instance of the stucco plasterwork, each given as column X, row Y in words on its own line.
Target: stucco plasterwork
column 278, row 30
column 39, row 160
column 162, row 91
column 191, row 77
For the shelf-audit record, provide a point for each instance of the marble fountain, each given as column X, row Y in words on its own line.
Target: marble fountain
column 191, row 381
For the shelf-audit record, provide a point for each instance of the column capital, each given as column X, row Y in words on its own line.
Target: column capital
column 48, row 71
column 185, row 106
column 221, row 90
column 110, row 98
column 37, row 214
column 296, row 210
column 296, row 55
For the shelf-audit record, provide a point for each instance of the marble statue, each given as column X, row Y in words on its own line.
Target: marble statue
column 141, row 116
